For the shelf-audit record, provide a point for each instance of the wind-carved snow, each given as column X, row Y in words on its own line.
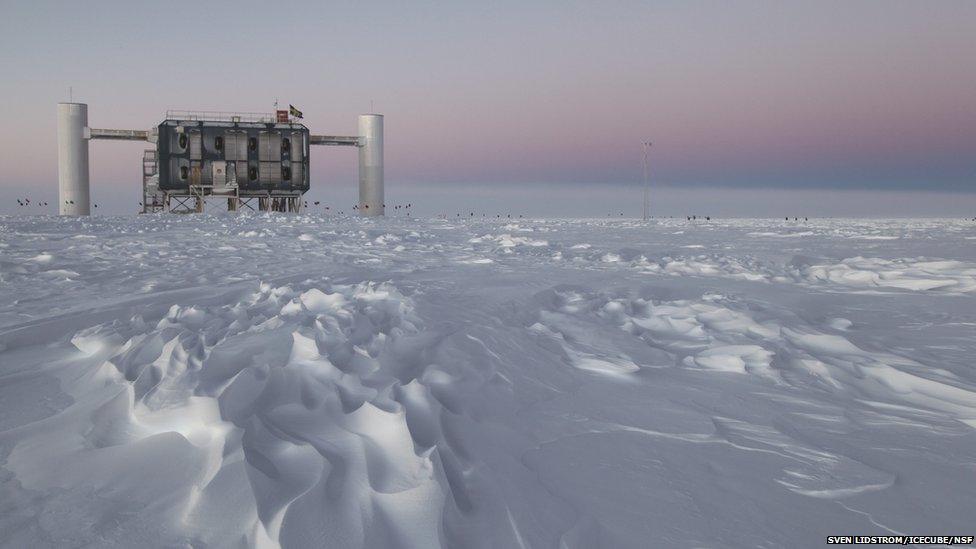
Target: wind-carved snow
column 306, row 381
column 296, row 385
column 707, row 335
column 903, row 273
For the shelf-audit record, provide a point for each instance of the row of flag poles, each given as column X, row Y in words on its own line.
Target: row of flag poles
column 282, row 115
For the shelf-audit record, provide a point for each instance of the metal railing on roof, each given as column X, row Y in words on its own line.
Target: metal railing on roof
column 217, row 116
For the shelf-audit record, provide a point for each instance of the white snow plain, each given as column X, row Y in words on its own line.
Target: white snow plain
column 306, row 381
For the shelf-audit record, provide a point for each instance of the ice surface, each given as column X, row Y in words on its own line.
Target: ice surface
column 303, row 381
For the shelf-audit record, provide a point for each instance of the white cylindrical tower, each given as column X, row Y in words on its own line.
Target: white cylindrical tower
column 371, row 165
column 73, row 159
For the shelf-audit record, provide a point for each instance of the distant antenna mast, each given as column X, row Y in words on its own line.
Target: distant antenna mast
column 646, row 202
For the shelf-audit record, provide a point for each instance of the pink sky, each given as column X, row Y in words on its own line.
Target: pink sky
column 791, row 95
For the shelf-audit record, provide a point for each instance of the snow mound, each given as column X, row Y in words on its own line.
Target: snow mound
column 905, row 274
column 286, row 418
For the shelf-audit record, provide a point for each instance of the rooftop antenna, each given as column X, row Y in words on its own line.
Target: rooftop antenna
column 646, row 145
column 71, row 95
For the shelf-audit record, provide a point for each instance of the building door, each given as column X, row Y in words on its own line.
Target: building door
column 219, row 173
column 231, row 174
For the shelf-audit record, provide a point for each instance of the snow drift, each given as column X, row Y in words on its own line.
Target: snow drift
column 297, row 381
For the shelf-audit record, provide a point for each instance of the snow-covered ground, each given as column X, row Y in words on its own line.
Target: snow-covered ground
column 305, row 381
